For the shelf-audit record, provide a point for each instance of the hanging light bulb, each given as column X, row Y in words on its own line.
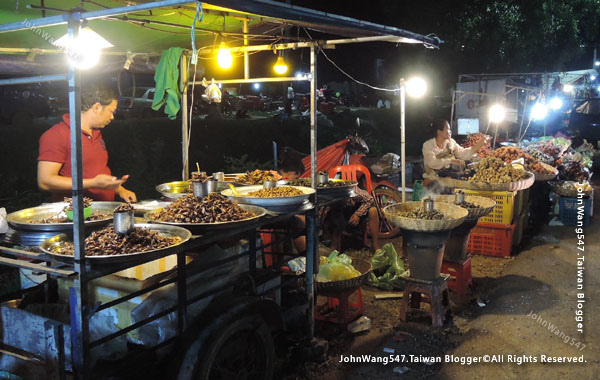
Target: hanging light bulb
column 280, row 66
column 84, row 51
column 224, row 58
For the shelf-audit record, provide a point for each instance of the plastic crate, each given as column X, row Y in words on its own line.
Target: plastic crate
column 491, row 240
column 503, row 213
column 568, row 211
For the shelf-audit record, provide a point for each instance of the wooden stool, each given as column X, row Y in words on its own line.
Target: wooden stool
column 438, row 298
column 339, row 309
column 460, row 275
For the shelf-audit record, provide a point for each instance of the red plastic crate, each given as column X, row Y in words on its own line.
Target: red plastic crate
column 491, row 240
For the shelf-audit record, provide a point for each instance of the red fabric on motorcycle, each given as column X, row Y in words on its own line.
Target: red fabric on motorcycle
column 327, row 158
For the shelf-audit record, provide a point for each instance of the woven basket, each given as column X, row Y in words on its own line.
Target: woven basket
column 333, row 287
column 569, row 193
column 544, row 176
column 454, row 214
column 486, row 205
column 510, row 186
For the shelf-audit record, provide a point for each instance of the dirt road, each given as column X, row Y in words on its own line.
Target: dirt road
column 523, row 311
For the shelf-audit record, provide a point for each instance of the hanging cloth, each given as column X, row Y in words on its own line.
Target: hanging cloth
column 167, row 82
column 327, row 158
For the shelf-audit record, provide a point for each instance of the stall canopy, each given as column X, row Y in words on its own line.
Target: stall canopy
column 149, row 32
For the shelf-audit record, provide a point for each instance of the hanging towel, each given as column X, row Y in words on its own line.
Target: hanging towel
column 167, row 83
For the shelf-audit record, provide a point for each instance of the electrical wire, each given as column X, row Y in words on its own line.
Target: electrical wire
column 351, row 77
column 197, row 18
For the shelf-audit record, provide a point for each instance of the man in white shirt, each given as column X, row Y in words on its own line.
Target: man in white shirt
column 442, row 152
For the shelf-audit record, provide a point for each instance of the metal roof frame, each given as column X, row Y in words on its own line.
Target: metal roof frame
column 294, row 15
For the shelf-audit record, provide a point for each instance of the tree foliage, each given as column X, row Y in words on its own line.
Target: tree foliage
column 523, row 35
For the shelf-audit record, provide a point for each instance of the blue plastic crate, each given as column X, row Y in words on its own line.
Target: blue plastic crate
column 568, row 210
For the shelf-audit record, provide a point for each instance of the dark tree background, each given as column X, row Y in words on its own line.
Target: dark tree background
column 481, row 36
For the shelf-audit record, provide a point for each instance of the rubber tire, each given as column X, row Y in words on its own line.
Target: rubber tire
column 396, row 196
column 243, row 323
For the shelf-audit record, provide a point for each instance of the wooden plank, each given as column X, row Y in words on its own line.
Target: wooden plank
column 21, row 252
column 391, row 295
column 35, row 267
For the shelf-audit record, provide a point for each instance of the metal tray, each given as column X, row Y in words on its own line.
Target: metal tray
column 204, row 227
column 20, row 220
column 277, row 204
column 344, row 191
column 168, row 231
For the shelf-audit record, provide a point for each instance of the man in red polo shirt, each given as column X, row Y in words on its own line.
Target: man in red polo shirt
column 98, row 105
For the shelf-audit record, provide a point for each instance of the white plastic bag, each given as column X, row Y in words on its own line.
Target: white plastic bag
column 3, row 223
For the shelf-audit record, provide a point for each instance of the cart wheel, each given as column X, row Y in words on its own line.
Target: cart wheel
column 241, row 350
column 384, row 197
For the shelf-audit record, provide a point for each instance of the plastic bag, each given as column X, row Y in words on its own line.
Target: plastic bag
column 3, row 223
column 336, row 268
column 393, row 276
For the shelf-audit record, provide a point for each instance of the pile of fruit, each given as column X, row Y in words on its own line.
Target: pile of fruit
column 573, row 171
column 537, row 167
column 539, row 156
column 474, row 138
column 494, row 170
column 509, row 154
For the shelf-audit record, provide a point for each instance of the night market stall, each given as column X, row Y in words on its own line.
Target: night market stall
column 244, row 296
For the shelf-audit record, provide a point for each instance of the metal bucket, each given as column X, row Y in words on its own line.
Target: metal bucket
column 218, row 176
column 425, row 263
column 428, row 204
column 322, row 178
column 459, row 197
column 123, row 222
column 269, row 184
column 202, row 189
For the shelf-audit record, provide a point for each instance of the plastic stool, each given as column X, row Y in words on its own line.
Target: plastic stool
column 437, row 296
column 460, row 275
column 339, row 308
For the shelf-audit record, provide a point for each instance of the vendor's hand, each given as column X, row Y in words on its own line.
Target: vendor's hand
column 459, row 163
column 354, row 220
column 480, row 143
column 127, row 195
column 108, row 182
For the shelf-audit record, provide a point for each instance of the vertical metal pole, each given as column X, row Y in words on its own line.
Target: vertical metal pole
column 402, row 136
column 79, row 303
column 311, row 217
column 495, row 135
column 246, row 57
column 452, row 108
column 252, row 252
column 185, row 138
column 275, row 155
column 181, row 293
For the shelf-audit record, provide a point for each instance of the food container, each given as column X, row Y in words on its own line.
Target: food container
column 87, row 212
column 269, row 184
column 218, row 176
column 459, row 197
column 202, row 189
column 322, row 178
column 123, row 222
column 428, row 204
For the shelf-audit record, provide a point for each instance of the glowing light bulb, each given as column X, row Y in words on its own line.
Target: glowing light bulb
column 539, row 111
column 496, row 113
column 280, row 66
column 416, row 87
column 224, row 58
